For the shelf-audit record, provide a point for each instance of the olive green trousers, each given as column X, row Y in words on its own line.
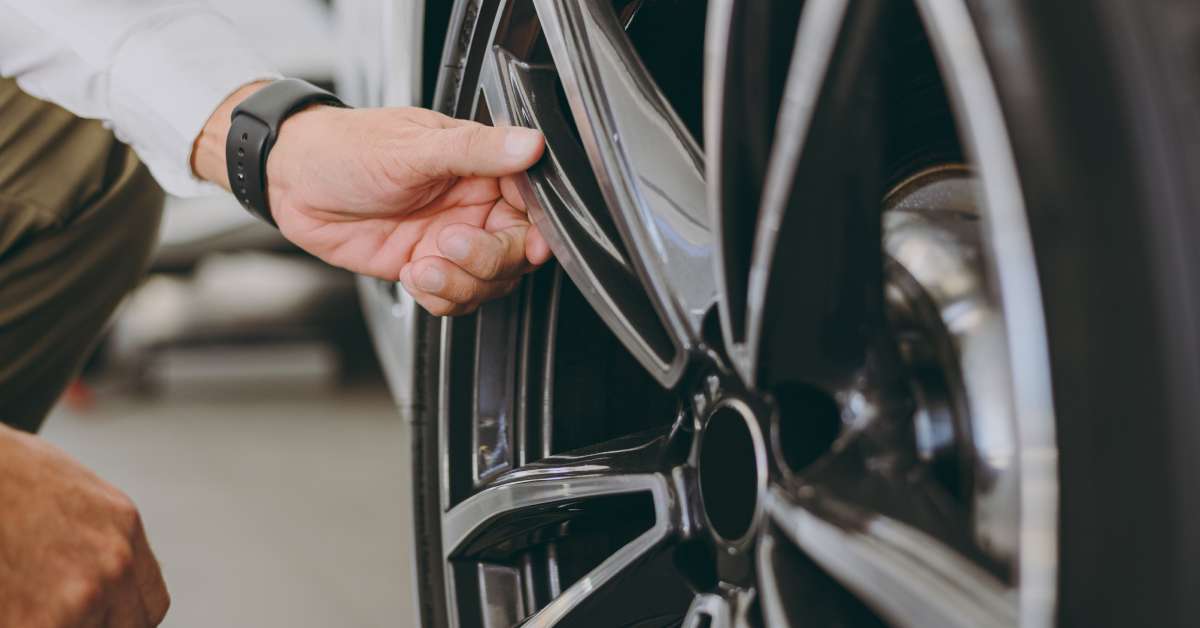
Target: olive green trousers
column 79, row 217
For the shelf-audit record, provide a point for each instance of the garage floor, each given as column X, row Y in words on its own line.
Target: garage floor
column 264, row 511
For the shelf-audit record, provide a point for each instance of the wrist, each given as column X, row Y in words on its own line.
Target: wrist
column 208, row 150
column 300, row 141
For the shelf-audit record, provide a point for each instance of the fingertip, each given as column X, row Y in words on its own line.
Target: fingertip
column 537, row 251
column 523, row 145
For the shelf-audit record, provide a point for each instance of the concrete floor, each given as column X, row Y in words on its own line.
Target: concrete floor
column 263, row 511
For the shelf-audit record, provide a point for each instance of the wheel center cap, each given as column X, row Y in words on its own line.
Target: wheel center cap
column 732, row 470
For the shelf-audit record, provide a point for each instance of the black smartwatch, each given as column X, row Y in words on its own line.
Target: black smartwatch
column 255, row 127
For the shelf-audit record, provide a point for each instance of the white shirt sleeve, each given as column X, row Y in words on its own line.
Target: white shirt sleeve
column 154, row 70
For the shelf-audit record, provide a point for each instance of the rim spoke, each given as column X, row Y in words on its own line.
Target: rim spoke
column 795, row 591
column 566, row 205
column 707, row 610
column 547, row 494
column 559, row 488
column 732, row 609
column 906, row 576
column 772, row 598
column 811, row 303
column 636, row 582
column 747, row 47
column 650, row 167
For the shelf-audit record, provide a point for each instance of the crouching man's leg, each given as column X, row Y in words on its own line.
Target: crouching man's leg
column 79, row 217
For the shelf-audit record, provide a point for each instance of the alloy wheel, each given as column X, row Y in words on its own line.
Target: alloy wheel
column 771, row 378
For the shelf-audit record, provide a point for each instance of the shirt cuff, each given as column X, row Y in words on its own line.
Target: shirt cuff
column 165, row 83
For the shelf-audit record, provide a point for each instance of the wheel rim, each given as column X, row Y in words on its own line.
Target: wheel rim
column 817, row 432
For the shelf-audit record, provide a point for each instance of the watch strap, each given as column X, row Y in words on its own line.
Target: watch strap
column 254, row 127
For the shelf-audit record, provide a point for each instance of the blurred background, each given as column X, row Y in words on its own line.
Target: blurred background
column 238, row 401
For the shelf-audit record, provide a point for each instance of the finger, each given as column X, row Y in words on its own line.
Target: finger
column 126, row 609
column 149, row 579
column 503, row 215
column 537, row 250
column 511, row 194
column 435, row 305
column 441, row 278
column 484, row 254
column 476, row 150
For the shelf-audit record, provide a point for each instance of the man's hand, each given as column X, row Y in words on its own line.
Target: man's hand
column 72, row 549
column 401, row 193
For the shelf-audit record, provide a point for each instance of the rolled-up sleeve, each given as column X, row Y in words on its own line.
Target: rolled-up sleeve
column 155, row 70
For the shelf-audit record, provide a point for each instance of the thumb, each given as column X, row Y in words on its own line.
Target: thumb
column 488, row 255
column 476, row 150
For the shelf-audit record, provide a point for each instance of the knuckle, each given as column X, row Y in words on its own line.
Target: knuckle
column 468, row 138
column 116, row 560
column 80, row 596
column 462, row 292
column 493, row 267
column 489, row 264
column 125, row 514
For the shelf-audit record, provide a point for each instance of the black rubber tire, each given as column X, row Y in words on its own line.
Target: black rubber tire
column 1102, row 100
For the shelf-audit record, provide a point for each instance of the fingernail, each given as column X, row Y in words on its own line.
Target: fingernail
column 456, row 247
column 520, row 142
column 431, row 279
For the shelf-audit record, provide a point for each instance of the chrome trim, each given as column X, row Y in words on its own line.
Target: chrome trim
column 762, row 473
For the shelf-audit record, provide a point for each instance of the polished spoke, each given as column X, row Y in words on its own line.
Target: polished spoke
column 559, row 489
column 566, row 204
column 811, row 304
column 772, row 597
column 636, row 582
column 649, row 166
column 554, row 490
column 795, row 591
column 905, row 575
